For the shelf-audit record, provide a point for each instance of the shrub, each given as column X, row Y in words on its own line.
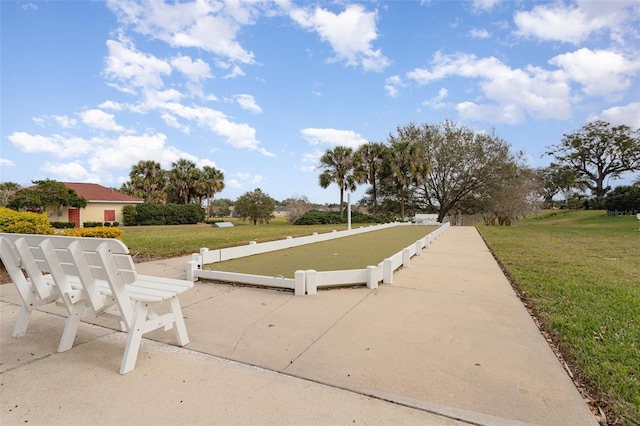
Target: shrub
column 364, row 218
column 316, row 217
column 168, row 214
column 63, row 225
column 129, row 215
column 149, row 214
column 623, row 200
column 24, row 222
column 92, row 224
column 97, row 232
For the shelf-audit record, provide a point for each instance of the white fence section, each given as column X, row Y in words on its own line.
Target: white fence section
column 307, row 282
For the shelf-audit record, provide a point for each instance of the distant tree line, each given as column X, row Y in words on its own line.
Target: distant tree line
column 451, row 169
column 184, row 183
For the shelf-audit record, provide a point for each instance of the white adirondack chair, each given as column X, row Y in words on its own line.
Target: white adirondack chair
column 97, row 275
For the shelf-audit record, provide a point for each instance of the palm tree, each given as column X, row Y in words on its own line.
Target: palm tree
column 148, row 179
column 212, row 183
column 637, row 181
column 337, row 167
column 371, row 157
column 406, row 165
column 183, row 178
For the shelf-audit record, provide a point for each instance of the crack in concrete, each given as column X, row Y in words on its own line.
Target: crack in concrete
column 313, row 342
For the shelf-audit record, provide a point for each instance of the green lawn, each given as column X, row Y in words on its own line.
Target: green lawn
column 178, row 240
column 581, row 272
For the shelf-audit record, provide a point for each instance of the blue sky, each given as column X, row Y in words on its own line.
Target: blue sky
column 261, row 89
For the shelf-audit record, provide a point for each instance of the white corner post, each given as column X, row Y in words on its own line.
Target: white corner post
column 299, row 283
column 406, row 258
column 311, row 281
column 387, row 271
column 372, row 277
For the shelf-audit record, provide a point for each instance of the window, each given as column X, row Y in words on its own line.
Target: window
column 109, row 215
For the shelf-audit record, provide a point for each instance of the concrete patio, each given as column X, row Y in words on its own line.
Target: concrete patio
column 449, row 342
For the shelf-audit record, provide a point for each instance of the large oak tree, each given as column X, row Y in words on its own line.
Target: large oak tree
column 597, row 152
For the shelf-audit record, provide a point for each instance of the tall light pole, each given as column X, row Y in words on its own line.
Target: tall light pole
column 349, row 211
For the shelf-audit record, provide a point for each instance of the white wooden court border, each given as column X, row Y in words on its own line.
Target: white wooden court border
column 308, row 281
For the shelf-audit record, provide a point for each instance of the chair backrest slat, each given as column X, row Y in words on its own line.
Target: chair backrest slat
column 83, row 270
column 32, row 267
column 12, row 263
column 117, row 283
column 61, row 279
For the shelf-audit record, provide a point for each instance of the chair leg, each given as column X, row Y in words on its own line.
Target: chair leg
column 71, row 327
column 181, row 328
column 22, row 322
column 135, row 338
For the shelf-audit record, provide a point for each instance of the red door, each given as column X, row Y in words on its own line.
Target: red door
column 74, row 216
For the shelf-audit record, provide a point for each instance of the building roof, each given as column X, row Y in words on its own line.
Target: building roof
column 93, row 192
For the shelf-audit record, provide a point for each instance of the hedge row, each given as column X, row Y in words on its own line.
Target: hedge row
column 316, row 217
column 162, row 214
column 96, row 232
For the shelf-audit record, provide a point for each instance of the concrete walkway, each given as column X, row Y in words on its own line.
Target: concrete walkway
column 447, row 343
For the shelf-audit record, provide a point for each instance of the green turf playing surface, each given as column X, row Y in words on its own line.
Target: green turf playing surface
column 354, row 252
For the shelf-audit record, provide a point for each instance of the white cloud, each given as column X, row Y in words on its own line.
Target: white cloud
column 73, row 171
column 65, row 122
column 392, row 86
column 40, row 121
column 627, row 114
column 484, row 5
column 436, row 101
column 114, row 106
column 507, row 113
column 171, row 121
column 99, row 119
column 309, row 161
column 212, row 26
column 479, row 33
column 130, row 69
column 233, row 183
column 573, row 23
column 122, row 152
column 238, row 135
column 243, row 179
column 333, row 137
column 600, row 72
column 349, row 33
column 56, row 145
column 236, row 71
column 248, row 102
column 6, row 163
column 195, row 71
column 512, row 92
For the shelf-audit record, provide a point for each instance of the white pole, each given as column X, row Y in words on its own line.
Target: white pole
column 349, row 211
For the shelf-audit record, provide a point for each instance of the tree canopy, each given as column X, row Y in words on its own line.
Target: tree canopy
column 46, row 193
column 597, row 152
column 463, row 162
column 255, row 206
column 338, row 166
column 183, row 184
